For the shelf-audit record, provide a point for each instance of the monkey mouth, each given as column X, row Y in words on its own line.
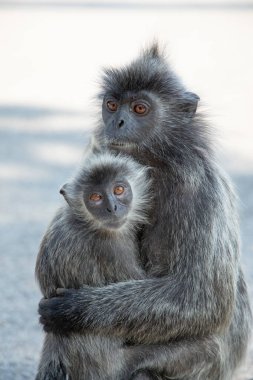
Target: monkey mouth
column 114, row 224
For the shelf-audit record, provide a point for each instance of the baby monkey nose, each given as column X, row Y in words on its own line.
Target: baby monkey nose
column 121, row 123
column 110, row 210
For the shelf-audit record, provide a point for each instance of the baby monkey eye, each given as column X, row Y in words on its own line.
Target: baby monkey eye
column 118, row 190
column 141, row 109
column 112, row 105
column 95, row 197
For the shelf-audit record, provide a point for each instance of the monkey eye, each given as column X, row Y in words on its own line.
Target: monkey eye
column 118, row 190
column 141, row 109
column 112, row 106
column 95, row 197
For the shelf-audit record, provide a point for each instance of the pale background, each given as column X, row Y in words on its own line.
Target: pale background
column 51, row 54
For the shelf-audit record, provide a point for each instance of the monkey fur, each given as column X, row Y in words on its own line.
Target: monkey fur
column 81, row 246
column 190, row 318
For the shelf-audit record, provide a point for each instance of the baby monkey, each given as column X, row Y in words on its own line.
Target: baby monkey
column 93, row 241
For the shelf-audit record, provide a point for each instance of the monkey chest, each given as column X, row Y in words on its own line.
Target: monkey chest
column 103, row 262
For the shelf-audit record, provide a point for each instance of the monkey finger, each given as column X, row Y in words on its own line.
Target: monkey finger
column 42, row 306
column 46, row 307
column 47, row 326
column 47, row 329
column 43, row 301
column 43, row 320
column 61, row 291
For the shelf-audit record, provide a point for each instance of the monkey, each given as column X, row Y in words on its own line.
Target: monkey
column 92, row 240
column 190, row 317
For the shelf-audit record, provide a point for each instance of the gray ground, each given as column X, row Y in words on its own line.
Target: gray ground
column 28, row 197
column 50, row 56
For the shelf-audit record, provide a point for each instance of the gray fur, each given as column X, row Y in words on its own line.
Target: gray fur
column 190, row 318
column 78, row 250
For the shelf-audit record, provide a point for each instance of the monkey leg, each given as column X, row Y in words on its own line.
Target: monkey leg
column 190, row 359
column 53, row 362
column 54, row 371
column 82, row 357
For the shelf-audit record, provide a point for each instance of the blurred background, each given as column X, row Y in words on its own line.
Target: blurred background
column 50, row 58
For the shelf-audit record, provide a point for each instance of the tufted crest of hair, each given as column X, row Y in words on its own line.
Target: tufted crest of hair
column 106, row 167
column 150, row 71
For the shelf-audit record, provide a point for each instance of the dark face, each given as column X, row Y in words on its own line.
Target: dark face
column 109, row 203
column 130, row 119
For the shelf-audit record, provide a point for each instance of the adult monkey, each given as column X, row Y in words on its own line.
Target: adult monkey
column 191, row 317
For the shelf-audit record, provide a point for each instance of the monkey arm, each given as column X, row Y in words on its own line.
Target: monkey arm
column 55, row 250
column 192, row 289
column 44, row 272
column 148, row 311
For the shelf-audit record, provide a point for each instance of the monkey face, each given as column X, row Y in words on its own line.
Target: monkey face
column 130, row 119
column 143, row 103
column 135, row 118
column 108, row 202
column 109, row 191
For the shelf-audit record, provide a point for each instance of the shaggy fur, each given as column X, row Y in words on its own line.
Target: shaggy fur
column 190, row 318
column 78, row 250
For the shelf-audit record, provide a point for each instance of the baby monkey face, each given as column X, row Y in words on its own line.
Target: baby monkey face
column 109, row 202
column 128, row 119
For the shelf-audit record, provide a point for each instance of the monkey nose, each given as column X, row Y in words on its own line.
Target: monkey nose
column 110, row 209
column 121, row 123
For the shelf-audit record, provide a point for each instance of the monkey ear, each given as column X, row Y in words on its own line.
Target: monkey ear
column 188, row 104
column 64, row 191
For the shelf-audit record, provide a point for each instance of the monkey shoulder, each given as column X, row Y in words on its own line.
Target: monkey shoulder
column 118, row 256
column 65, row 229
column 198, row 204
column 63, row 247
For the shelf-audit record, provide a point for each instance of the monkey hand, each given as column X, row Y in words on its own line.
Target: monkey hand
column 65, row 312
